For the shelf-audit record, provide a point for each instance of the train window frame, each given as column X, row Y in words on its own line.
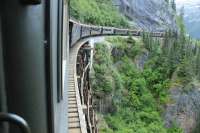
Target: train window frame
column 60, row 51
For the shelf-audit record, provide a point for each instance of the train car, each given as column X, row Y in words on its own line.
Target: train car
column 75, row 32
column 156, row 34
column 134, row 32
column 162, row 34
column 33, row 48
column 95, row 30
column 85, row 31
column 120, row 31
column 107, row 31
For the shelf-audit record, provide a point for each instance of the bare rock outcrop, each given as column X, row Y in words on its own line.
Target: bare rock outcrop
column 184, row 109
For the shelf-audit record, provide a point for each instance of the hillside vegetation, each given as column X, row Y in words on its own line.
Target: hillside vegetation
column 98, row 12
column 132, row 77
column 139, row 96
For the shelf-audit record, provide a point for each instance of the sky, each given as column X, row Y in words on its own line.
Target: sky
column 191, row 15
column 184, row 2
column 190, row 4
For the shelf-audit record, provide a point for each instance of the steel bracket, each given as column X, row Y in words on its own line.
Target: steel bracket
column 16, row 120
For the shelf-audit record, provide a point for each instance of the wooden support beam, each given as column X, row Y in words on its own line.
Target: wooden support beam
column 88, row 48
column 84, row 107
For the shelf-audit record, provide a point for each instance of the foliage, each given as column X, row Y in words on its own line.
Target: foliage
column 125, row 46
column 173, row 4
column 175, row 129
column 143, row 92
column 103, row 79
column 98, row 12
column 181, row 25
column 185, row 71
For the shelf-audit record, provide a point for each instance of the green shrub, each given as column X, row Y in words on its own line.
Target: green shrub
column 185, row 71
column 97, row 12
column 143, row 92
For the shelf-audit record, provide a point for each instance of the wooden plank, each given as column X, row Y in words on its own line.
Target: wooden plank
column 72, row 102
column 72, row 106
column 71, row 82
column 74, row 125
column 73, row 120
column 72, row 110
column 71, row 90
column 73, row 115
column 71, row 96
column 71, row 99
column 71, row 86
column 72, row 93
column 74, row 130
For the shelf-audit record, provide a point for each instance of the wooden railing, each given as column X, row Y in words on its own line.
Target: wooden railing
column 85, row 91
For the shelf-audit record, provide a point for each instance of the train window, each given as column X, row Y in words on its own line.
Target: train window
column 60, row 52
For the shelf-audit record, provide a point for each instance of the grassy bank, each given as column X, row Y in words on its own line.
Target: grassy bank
column 98, row 12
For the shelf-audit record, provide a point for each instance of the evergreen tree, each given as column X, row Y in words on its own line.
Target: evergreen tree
column 182, row 25
column 198, row 64
column 167, row 1
column 173, row 4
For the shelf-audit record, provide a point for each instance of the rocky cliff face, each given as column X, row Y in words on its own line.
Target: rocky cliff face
column 185, row 109
column 148, row 14
column 140, row 60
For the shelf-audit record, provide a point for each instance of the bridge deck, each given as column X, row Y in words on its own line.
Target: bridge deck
column 76, row 120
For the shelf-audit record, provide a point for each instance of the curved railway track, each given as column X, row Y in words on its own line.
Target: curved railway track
column 79, row 34
column 76, row 118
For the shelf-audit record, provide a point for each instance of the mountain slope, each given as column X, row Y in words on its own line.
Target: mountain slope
column 191, row 16
column 148, row 14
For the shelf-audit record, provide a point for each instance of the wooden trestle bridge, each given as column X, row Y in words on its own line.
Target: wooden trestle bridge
column 81, row 115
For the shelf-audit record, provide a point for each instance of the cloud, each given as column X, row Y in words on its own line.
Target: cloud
column 183, row 2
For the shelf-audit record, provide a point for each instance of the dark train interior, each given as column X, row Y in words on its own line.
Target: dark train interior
column 31, row 53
